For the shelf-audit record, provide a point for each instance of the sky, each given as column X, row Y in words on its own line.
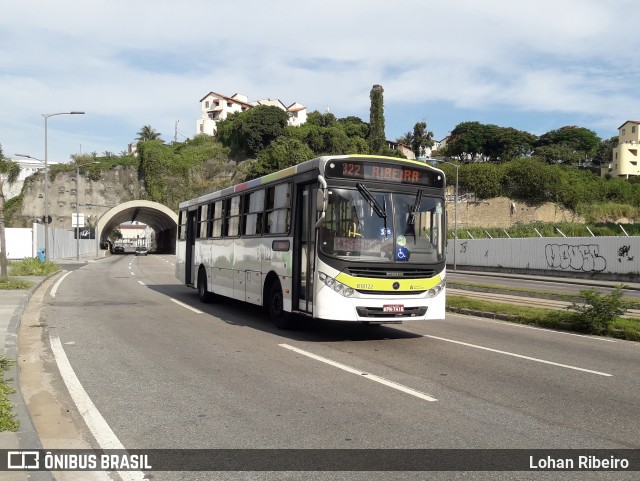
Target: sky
column 534, row 66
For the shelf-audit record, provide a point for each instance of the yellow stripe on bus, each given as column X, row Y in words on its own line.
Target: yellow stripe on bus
column 369, row 284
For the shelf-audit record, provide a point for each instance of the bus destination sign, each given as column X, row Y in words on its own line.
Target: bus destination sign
column 383, row 172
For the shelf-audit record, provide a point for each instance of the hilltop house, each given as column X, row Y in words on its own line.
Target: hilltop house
column 624, row 160
column 215, row 107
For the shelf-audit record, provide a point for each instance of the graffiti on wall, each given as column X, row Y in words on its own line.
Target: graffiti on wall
column 583, row 257
column 624, row 253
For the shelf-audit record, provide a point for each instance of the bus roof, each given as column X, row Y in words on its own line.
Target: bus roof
column 306, row 166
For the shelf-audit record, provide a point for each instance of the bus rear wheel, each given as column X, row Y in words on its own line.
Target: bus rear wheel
column 204, row 295
column 275, row 307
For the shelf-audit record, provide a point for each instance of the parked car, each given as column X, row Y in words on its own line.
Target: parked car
column 118, row 249
column 142, row 251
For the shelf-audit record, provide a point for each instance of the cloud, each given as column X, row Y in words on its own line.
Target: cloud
column 129, row 64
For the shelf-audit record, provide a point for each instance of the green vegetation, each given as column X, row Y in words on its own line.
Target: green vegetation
column 32, row 267
column 8, row 421
column 548, row 318
column 173, row 173
column 14, row 284
column 377, row 138
column 558, row 166
column 548, row 230
column 596, row 312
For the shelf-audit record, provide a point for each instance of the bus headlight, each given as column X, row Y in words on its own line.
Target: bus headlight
column 337, row 286
column 434, row 291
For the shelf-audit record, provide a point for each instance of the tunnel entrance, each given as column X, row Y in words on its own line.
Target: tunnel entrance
column 157, row 216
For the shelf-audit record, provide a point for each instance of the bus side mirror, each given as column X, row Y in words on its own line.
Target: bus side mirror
column 321, row 201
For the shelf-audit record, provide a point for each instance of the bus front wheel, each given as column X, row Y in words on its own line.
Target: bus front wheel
column 275, row 307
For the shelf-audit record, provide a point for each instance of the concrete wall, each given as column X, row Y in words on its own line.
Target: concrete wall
column 19, row 243
column 571, row 256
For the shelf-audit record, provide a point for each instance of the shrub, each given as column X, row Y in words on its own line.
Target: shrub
column 33, row 267
column 597, row 311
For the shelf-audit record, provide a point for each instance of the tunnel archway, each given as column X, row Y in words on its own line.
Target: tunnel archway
column 157, row 216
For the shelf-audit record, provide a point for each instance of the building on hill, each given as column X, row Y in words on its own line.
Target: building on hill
column 27, row 167
column 624, row 160
column 215, row 107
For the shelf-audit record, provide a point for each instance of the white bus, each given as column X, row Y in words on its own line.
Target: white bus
column 351, row 237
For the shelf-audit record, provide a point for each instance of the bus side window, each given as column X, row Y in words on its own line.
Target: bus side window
column 253, row 213
column 216, row 227
column 232, row 224
column 278, row 209
column 202, row 221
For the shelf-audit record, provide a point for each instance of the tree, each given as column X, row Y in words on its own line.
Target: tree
column 251, row 131
column 604, row 154
column 9, row 172
column 505, row 143
column 377, row 137
column 467, row 139
column 280, row 154
column 421, row 139
column 580, row 140
column 147, row 133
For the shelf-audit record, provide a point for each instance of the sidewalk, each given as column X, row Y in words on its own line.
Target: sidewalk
column 12, row 305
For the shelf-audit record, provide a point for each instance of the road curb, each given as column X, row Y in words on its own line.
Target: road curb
column 26, row 435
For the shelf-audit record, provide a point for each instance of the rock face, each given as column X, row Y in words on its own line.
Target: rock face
column 503, row 212
column 121, row 184
column 94, row 197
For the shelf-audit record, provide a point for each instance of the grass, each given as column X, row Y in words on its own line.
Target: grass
column 605, row 229
column 472, row 286
column 32, row 267
column 8, row 420
column 620, row 328
column 11, row 284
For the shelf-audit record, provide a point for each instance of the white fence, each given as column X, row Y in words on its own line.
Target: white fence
column 571, row 255
column 25, row 242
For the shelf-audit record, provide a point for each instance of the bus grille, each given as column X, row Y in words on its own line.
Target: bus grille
column 376, row 312
column 392, row 273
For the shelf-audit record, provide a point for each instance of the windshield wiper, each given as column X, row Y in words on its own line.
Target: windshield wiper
column 416, row 206
column 380, row 211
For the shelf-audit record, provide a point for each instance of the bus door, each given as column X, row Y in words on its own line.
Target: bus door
column 190, row 246
column 305, row 247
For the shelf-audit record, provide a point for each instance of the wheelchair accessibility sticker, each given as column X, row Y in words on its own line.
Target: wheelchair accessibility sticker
column 402, row 254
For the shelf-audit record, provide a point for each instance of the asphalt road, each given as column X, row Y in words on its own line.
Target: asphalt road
column 165, row 376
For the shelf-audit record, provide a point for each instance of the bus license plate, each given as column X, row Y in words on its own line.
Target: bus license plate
column 393, row 308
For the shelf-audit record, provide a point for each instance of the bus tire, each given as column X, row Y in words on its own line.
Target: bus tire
column 275, row 307
column 204, row 295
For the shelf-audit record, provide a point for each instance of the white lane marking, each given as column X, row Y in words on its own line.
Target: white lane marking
column 133, row 273
column 54, row 289
column 520, row 356
column 358, row 372
column 186, row 306
column 101, row 431
column 524, row 326
column 141, row 283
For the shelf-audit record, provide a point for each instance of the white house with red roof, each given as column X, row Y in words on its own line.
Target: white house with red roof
column 215, row 107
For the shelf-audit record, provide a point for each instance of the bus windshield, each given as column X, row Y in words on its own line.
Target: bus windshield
column 363, row 225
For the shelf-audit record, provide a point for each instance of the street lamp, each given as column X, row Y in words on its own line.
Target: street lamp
column 455, row 212
column 77, row 205
column 46, row 180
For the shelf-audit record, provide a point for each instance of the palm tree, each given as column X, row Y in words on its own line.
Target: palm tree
column 9, row 172
column 148, row 133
